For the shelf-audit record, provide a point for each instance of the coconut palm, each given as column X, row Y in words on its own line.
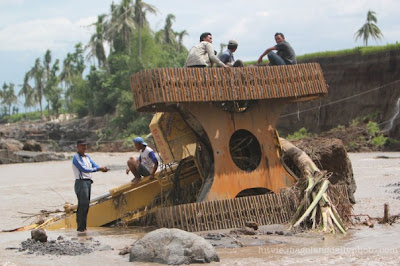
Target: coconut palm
column 369, row 29
column 8, row 96
column 96, row 43
column 37, row 74
column 141, row 8
column 169, row 34
column 180, row 35
column 122, row 23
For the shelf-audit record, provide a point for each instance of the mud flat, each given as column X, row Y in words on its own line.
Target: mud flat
column 24, row 188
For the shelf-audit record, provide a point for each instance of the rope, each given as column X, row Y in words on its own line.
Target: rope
column 341, row 100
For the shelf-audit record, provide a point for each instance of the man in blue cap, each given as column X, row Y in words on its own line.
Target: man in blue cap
column 145, row 165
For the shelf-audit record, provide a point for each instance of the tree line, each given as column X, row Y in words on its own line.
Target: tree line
column 98, row 84
column 133, row 46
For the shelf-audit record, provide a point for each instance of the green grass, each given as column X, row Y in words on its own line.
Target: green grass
column 300, row 134
column 356, row 50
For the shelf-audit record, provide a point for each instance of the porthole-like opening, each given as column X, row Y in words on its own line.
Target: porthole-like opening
column 245, row 150
column 253, row 192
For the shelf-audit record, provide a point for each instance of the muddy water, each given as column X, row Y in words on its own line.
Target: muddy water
column 28, row 188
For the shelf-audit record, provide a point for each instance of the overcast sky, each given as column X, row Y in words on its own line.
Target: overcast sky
column 29, row 27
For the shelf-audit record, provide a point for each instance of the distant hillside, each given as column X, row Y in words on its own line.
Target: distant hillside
column 361, row 84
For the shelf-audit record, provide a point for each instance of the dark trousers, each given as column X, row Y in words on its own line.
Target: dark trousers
column 82, row 191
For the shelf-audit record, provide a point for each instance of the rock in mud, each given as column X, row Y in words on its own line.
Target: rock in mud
column 172, row 246
column 39, row 235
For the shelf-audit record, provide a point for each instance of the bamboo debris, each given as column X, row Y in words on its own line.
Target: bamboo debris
column 322, row 209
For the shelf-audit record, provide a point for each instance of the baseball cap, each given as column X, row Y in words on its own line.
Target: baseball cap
column 81, row 142
column 232, row 42
column 139, row 140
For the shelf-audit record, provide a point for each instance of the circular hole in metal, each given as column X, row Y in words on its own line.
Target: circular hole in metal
column 245, row 150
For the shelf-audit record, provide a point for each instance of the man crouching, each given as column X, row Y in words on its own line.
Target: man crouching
column 145, row 165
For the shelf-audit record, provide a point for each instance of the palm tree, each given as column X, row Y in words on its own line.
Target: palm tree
column 96, row 43
column 37, row 73
column 67, row 75
column 141, row 8
column 27, row 91
column 8, row 97
column 369, row 29
column 180, row 35
column 122, row 23
column 222, row 46
column 169, row 34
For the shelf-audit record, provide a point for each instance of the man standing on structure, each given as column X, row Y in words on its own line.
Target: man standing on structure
column 145, row 165
column 202, row 54
column 83, row 166
column 285, row 54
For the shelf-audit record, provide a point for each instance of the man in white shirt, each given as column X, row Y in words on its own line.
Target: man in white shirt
column 202, row 54
column 145, row 165
column 83, row 167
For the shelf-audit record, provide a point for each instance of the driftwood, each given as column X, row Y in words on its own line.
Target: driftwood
column 315, row 199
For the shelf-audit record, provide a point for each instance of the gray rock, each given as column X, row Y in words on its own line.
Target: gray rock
column 32, row 145
column 39, row 235
column 172, row 246
column 10, row 144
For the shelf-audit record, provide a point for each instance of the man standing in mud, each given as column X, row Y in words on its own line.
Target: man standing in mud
column 285, row 54
column 145, row 165
column 83, row 166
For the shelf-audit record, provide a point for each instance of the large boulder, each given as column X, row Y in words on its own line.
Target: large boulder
column 330, row 155
column 172, row 246
column 32, row 145
column 10, row 144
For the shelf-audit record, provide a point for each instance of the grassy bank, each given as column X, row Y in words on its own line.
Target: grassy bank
column 363, row 50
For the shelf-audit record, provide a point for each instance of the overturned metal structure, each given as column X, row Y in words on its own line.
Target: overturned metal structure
column 214, row 129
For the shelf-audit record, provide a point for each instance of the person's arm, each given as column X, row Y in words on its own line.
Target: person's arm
column 82, row 167
column 212, row 56
column 265, row 53
column 100, row 168
column 153, row 158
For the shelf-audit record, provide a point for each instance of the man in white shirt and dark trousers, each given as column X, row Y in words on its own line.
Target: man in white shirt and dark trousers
column 145, row 165
column 83, row 166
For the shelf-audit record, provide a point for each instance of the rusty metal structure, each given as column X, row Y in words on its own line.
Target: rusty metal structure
column 214, row 129
column 228, row 117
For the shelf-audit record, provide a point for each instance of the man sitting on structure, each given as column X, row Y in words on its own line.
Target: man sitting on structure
column 227, row 56
column 285, row 54
column 145, row 165
column 202, row 54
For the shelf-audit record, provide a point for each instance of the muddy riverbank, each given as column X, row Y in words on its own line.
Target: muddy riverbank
column 28, row 188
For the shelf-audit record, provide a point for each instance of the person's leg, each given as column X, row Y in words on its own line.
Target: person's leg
column 82, row 191
column 238, row 63
column 133, row 164
column 275, row 60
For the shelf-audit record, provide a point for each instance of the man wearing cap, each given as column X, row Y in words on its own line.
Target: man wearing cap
column 202, row 54
column 285, row 54
column 227, row 56
column 145, row 165
column 83, row 166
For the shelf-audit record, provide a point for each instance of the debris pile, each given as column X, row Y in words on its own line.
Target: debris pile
column 60, row 247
